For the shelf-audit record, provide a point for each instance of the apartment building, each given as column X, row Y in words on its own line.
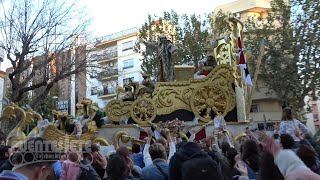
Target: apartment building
column 245, row 8
column 72, row 89
column 117, row 63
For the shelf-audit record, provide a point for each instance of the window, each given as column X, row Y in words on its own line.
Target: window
column 254, row 108
column 94, row 90
column 128, row 64
column 127, row 46
column 109, row 90
column 94, row 73
column 128, row 80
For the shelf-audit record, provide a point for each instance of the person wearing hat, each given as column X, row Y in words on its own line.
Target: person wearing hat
column 201, row 73
column 128, row 95
column 60, row 120
column 71, row 126
column 147, row 82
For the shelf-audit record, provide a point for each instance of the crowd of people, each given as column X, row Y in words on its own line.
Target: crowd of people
column 291, row 153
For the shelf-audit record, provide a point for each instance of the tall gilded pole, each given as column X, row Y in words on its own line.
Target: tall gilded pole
column 236, row 27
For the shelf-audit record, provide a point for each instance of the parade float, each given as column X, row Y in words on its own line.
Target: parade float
column 219, row 99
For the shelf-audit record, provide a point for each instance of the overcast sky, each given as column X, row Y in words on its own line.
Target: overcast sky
column 110, row 16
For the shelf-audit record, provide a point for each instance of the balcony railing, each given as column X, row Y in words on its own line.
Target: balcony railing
column 107, row 91
column 118, row 34
column 108, row 73
column 104, row 56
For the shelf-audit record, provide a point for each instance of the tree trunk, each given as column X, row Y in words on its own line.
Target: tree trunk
column 42, row 96
column 16, row 94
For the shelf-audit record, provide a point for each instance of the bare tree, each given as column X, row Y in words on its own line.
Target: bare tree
column 35, row 35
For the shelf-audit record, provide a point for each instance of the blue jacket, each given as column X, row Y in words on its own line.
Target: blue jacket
column 57, row 168
column 8, row 174
column 138, row 159
column 151, row 172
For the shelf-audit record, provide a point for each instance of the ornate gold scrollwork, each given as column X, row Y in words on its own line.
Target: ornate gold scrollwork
column 117, row 109
column 185, row 94
column 163, row 99
column 143, row 111
column 172, row 96
column 101, row 141
column 208, row 101
column 63, row 140
column 124, row 137
column 222, row 53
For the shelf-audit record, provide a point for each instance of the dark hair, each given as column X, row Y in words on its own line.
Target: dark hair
column 89, row 148
column 117, row 168
column 136, row 148
column 307, row 155
column 225, row 146
column 94, row 148
column 3, row 137
column 157, row 151
column 231, row 154
column 250, row 154
column 308, row 136
column 268, row 169
column 287, row 114
column 3, row 150
column 163, row 134
column 123, row 151
column 287, row 141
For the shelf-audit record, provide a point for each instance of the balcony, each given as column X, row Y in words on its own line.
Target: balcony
column 105, row 56
column 108, row 74
column 107, row 93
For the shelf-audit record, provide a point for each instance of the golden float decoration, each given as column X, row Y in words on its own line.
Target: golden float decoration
column 143, row 111
column 171, row 96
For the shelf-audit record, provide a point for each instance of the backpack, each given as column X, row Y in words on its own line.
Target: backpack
column 200, row 166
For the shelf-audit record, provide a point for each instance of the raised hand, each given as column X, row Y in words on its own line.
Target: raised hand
column 149, row 133
column 167, row 134
column 100, row 160
column 297, row 132
column 270, row 145
column 242, row 168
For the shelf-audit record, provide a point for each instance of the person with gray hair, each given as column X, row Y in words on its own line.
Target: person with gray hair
column 159, row 169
